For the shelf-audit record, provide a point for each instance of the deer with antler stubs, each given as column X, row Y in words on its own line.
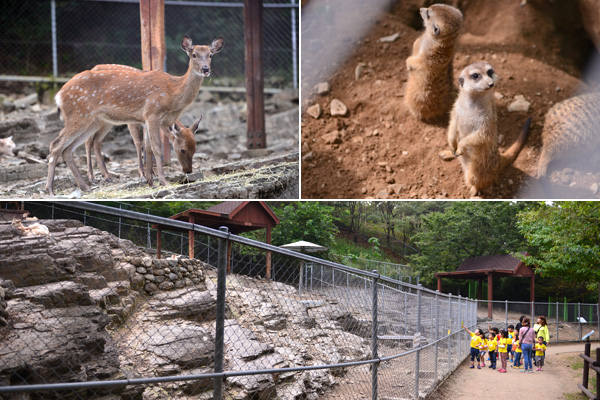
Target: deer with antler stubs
column 92, row 101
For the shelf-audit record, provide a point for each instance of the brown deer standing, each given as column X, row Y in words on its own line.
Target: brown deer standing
column 92, row 101
column 184, row 142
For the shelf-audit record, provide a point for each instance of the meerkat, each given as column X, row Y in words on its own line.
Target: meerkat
column 429, row 87
column 473, row 130
column 570, row 127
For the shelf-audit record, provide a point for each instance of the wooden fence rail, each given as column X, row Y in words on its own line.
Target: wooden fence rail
column 590, row 363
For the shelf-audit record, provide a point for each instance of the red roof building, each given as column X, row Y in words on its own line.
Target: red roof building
column 483, row 267
column 238, row 216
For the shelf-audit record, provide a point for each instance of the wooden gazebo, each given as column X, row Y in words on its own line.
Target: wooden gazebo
column 238, row 216
column 480, row 268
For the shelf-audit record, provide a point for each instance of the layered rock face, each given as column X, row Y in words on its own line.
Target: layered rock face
column 81, row 305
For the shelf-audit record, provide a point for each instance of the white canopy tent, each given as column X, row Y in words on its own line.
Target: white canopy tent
column 304, row 247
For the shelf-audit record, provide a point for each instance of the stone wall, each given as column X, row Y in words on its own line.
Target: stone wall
column 154, row 275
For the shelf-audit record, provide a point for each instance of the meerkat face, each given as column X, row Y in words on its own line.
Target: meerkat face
column 478, row 77
column 441, row 20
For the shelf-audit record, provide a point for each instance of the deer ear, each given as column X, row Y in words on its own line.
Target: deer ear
column 217, row 45
column 194, row 127
column 174, row 130
column 186, row 44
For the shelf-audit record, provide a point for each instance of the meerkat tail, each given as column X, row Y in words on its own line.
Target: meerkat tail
column 513, row 151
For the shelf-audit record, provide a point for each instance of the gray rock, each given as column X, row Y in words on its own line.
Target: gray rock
column 187, row 346
column 166, row 285
column 159, row 272
column 150, row 287
column 141, row 270
column 173, row 277
column 8, row 106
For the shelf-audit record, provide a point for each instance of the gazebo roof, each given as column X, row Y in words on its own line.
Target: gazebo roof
column 499, row 265
column 238, row 216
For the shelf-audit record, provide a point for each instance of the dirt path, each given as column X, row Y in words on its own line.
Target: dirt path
column 557, row 379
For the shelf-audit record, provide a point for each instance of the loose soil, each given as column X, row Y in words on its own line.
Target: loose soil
column 538, row 50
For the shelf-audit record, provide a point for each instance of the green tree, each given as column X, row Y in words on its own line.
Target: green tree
column 305, row 220
column 564, row 239
column 466, row 229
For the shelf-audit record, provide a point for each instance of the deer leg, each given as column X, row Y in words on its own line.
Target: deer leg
column 56, row 149
column 148, row 148
column 88, row 157
column 138, row 139
column 76, row 140
column 98, row 138
column 154, row 133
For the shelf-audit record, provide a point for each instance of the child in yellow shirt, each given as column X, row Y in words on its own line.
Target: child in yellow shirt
column 475, row 340
column 492, row 345
column 483, row 347
column 518, row 354
column 540, row 351
column 511, row 335
column 502, row 349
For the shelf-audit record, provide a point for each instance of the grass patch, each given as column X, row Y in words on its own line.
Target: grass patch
column 576, row 363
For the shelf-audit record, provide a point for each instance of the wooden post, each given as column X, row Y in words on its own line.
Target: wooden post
column 597, row 373
column 152, row 18
column 490, row 293
column 191, row 238
column 268, row 273
column 158, row 242
column 439, row 285
column 253, row 40
column 586, row 364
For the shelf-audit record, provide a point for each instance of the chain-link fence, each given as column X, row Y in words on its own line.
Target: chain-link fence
column 90, row 311
column 566, row 321
column 64, row 37
column 396, row 271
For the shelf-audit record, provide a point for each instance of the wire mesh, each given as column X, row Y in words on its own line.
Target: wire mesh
column 108, row 32
column 91, row 307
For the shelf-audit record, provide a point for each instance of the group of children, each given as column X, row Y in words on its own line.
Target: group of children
column 503, row 344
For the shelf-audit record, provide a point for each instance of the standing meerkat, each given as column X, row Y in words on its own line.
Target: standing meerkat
column 473, row 130
column 429, row 86
column 570, row 127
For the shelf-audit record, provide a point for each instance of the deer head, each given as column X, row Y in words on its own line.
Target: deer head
column 201, row 56
column 184, row 143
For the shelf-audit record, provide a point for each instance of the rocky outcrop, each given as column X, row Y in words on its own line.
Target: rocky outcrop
column 81, row 308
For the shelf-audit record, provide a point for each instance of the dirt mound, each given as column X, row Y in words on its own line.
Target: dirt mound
column 381, row 151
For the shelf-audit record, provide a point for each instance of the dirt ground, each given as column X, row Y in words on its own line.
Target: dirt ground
column 556, row 380
column 382, row 151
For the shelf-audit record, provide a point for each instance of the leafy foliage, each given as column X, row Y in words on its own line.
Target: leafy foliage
column 466, row 229
column 564, row 239
column 305, row 220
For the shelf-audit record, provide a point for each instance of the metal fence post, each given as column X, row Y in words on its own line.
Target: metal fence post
column 294, row 47
column 418, row 355
column 220, row 319
column 506, row 314
column 557, row 321
column 458, row 322
column 437, row 334
column 405, row 312
column 532, row 311
column 119, row 204
column 419, row 327
column 598, row 314
column 54, row 51
column 449, row 330
column 579, row 318
column 374, row 355
column 300, row 279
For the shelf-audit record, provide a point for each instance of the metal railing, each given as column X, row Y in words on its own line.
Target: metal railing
column 285, row 335
column 566, row 321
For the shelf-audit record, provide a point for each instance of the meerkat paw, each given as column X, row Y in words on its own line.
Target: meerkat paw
column 447, row 155
column 459, row 152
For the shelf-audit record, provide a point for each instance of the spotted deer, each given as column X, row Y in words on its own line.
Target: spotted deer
column 92, row 101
